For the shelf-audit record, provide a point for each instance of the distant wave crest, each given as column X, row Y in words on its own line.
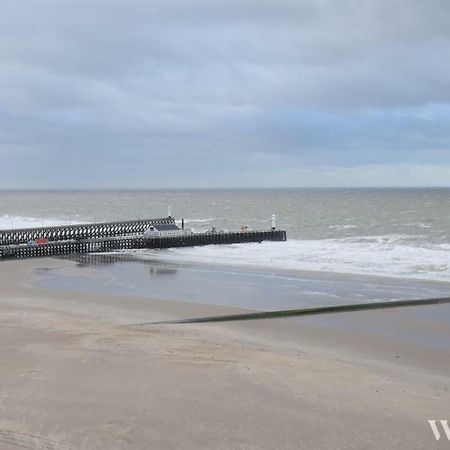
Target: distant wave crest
column 13, row 222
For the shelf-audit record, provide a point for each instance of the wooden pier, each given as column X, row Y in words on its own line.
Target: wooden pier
column 115, row 236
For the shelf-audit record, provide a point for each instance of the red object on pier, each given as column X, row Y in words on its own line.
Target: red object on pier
column 41, row 241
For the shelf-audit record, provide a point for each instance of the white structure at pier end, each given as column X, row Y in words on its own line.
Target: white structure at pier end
column 165, row 230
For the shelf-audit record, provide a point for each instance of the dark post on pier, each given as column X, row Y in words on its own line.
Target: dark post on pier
column 114, row 236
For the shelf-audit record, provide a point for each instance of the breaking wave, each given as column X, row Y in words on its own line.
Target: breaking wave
column 390, row 256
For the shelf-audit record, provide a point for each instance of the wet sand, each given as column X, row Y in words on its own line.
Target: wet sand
column 73, row 375
column 243, row 287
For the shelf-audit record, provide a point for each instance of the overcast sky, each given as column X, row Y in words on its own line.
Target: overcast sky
column 212, row 93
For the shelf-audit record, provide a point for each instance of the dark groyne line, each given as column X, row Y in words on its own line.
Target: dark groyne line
column 305, row 311
column 80, row 231
column 102, row 245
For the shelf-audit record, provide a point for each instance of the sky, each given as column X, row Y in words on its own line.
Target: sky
column 224, row 93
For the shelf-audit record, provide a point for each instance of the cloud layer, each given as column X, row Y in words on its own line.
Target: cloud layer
column 138, row 93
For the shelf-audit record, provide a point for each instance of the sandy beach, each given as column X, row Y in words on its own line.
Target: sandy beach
column 76, row 374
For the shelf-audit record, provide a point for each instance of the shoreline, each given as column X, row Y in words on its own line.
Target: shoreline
column 278, row 383
column 227, row 286
column 275, row 269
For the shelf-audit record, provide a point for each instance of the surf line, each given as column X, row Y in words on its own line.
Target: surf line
column 304, row 311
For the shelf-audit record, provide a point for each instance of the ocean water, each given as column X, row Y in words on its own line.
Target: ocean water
column 389, row 232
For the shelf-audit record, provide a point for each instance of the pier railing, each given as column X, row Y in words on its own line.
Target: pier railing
column 80, row 231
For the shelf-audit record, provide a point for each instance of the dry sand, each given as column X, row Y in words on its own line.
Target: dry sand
column 73, row 376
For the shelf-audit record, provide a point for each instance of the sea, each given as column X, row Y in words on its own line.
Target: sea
column 343, row 246
column 389, row 232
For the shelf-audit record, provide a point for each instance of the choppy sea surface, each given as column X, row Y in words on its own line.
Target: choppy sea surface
column 390, row 232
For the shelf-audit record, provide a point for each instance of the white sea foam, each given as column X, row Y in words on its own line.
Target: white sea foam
column 391, row 256
column 13, row 222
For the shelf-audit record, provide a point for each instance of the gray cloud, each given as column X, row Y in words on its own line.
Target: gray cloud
column 129, row 92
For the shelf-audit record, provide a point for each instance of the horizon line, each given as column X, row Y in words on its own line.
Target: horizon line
column 90, row 189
